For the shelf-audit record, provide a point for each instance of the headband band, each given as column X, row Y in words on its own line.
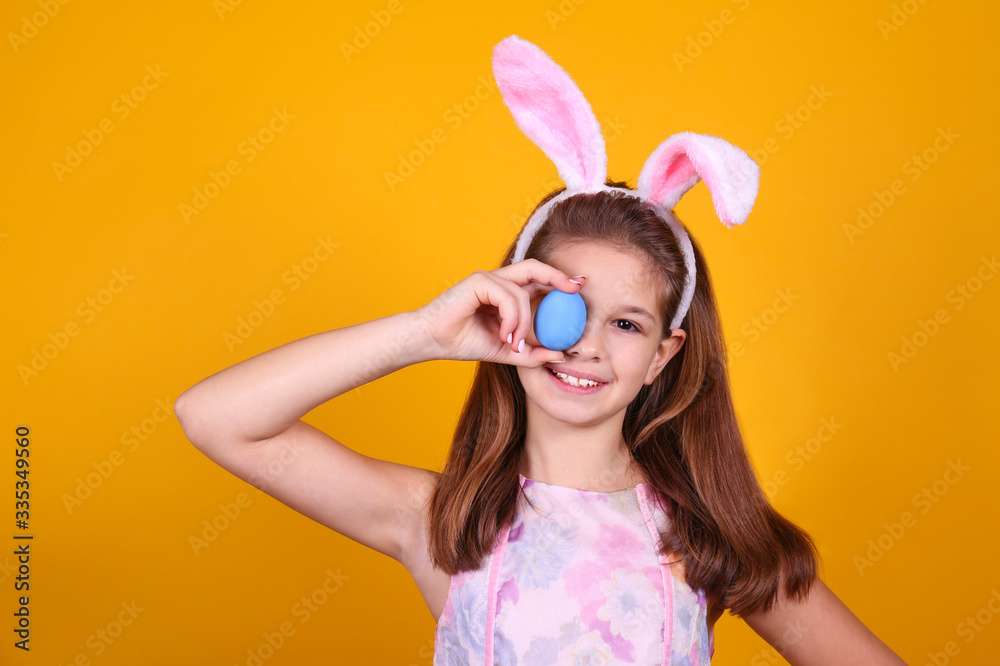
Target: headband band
column 542, row 213
column 550, row 109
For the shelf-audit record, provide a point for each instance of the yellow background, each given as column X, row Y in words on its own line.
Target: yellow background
column 357, row 115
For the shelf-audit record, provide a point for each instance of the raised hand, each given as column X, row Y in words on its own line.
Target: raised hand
column 487, row 316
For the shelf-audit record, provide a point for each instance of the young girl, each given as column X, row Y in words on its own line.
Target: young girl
column 598, row 505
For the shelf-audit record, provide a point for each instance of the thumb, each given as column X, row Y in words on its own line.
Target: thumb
column 536, row 356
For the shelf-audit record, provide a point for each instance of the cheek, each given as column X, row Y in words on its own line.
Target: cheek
column 530, row 378
column 637, row 363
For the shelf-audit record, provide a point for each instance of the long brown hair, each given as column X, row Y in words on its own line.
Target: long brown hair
column 681, row 430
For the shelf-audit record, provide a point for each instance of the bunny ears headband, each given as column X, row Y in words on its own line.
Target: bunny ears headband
column 550, row 109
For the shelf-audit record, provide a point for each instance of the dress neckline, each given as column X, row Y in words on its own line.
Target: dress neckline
column 633, row 489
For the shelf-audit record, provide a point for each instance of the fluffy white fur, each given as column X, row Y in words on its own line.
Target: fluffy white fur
column 681, row 161
column 550, row 109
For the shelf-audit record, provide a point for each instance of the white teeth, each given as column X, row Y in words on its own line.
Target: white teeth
column 574, row 381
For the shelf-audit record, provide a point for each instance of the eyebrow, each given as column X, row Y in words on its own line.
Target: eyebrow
column 635, row 310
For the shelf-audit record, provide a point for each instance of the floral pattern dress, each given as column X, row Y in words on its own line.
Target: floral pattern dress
column 576, row 579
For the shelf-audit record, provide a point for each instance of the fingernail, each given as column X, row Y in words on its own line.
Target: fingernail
column 520, row 346
column 576, row 282
column 562, row 360
column 580, row 276
column 510, row 337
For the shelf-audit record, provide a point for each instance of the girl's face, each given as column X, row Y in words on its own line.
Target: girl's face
column 622, row 345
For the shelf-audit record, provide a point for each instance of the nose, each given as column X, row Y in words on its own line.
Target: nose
column 590, row 344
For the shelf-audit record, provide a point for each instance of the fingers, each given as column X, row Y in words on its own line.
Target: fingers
column 532, row 273
column 524, row 281
column 537, row 356
column 531, row 357
column 500, row 294
column 515, row 312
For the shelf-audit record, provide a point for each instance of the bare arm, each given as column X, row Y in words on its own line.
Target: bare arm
column 264, row 395
column 246, row 418
column 821, row 631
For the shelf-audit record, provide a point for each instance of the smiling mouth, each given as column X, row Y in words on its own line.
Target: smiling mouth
column 574, row 381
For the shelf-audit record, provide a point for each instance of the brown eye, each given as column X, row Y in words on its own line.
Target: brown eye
column 628, row 324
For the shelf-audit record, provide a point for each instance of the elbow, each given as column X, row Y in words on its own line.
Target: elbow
column 200, row 416
column 189, row 415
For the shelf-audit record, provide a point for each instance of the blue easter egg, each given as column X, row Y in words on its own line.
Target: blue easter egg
column 560, row 319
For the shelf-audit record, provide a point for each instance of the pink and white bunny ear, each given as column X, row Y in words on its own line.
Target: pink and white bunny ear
column 681, row 161
column 550, row 109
